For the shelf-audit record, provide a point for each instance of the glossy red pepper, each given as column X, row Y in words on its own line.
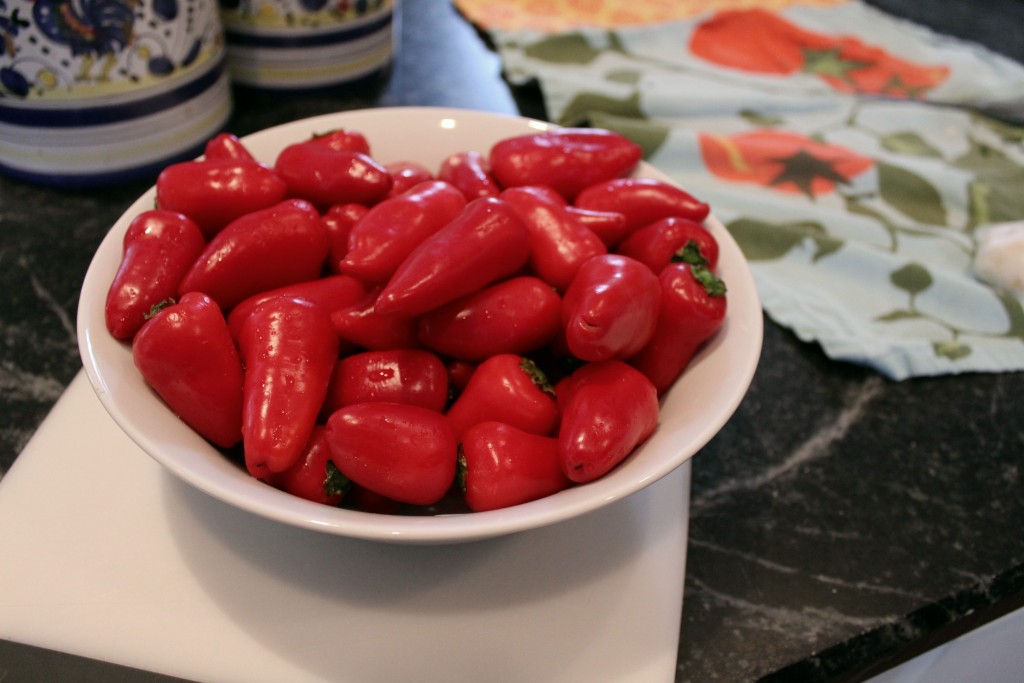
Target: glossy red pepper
column 342, row 139
column 411, row 376
column 610, row 409
column 314, row 476
column 289, row 349
column 186, row 354
column 517, row 315
column 693, row 306
column 360, row 324
column 670, row 240
column 566, row 159
column 363, row 499
column 610, row 226
column 484, row 244
column 338, row 221
column 227, row 146
column 469, row 172
column 214, row 192
column 559, row 242
column 507, row 388
column 611, row 309
column 327, row 176
column 158, row 249
column 501, row 466
column 262, row 250
column 329, row 293
column 642, row 200
column 406, row 175
column 393, row 228
column 459, row 372
column 403, row 452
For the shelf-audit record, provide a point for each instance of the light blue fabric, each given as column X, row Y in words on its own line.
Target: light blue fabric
column 862, row 238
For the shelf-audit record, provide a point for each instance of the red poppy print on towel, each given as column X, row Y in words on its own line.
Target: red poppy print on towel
column 781, row 160
column 762, row 42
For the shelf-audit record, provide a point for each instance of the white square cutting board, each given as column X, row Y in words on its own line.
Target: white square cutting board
column 104, row 554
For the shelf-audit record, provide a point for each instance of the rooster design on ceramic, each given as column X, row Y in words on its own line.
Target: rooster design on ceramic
column 65, row 48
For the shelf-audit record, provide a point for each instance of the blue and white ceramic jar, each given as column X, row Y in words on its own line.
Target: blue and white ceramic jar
column 307, row 44
column 97, row 91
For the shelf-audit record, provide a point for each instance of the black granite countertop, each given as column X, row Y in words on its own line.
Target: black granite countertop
column 840, row 522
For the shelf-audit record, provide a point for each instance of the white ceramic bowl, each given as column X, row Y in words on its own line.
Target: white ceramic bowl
column 693, row 411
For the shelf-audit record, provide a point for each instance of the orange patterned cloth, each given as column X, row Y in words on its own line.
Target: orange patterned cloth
column 556, row 15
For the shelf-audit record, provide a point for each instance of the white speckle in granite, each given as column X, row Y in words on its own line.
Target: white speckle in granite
column 805, row 623
column 807, row 530
column 823, row 579
column 767, row 564
column 867, row 587
column 815, row 446
column 18, row 385
column 46, row 297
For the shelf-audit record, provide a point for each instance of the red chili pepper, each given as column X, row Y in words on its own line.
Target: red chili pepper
column 262, row 250
column 610, row 226
column 510, row 389
column 406, row 175
column 469, row 172
column 338, row 221
column 403, row 452
column 289, row 349
column 360, row 324
column 642, row 201
column 329, row 293
column 559, row 243
column 342, row 139
column 326, row 176
column 517, row 315
column 214, row 192
column 501, row 466
column 611, row 408
column 227, row 146
column 314, row 477
column 410, row 376
column 610, row 310
column 158, row 249
column 459, row 372
column 671, row 240
column 365, row 500
column 693, row 306
column 566, row 159
column 485, row 243
column 186, row 354
column 392, row 229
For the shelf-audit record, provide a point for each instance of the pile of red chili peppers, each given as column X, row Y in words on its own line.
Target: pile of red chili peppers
column 386, row 337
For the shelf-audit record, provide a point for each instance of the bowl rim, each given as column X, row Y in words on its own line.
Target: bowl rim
column 223, row 480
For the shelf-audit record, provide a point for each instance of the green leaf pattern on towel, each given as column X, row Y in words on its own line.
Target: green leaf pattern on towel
column 903, row 230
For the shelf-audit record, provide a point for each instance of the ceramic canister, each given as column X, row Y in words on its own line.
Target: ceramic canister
column 97, row 91
column 307, row 44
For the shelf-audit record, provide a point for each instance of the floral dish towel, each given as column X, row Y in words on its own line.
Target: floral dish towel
column 871, row 171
